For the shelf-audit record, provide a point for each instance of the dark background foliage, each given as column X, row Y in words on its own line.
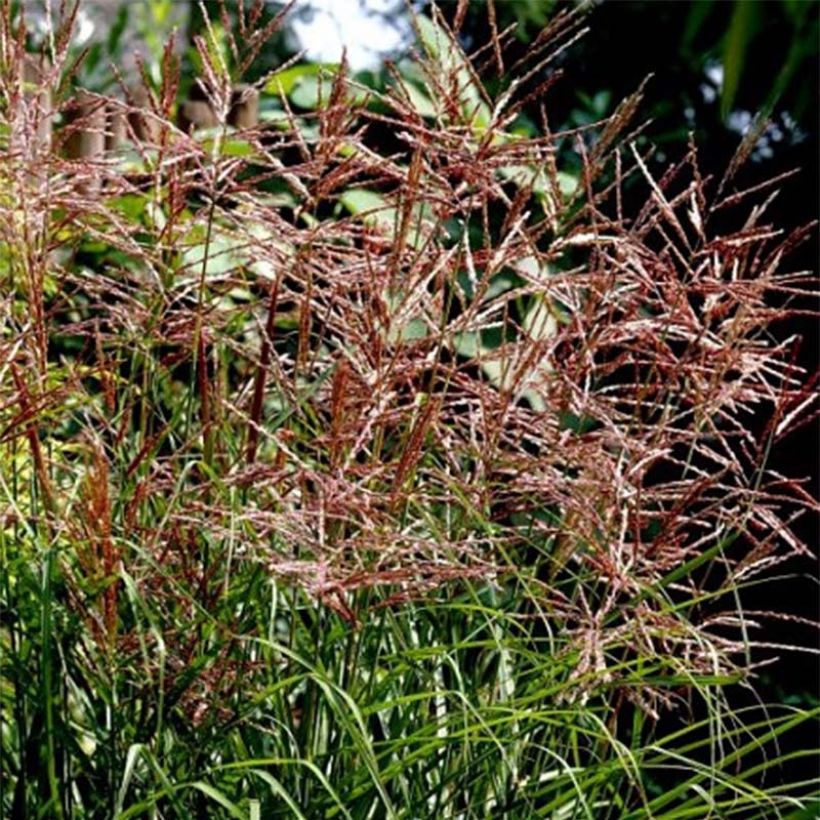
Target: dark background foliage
column 767, row 53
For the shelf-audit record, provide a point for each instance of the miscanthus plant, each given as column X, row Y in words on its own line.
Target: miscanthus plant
column 377, row 461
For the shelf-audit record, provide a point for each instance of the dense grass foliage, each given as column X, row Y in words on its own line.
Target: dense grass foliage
column 373, row 462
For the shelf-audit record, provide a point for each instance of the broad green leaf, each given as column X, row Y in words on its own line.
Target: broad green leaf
column 567, row 183
column 371, row 205
column 441, row 48
column 310, row 92
column 130, row 205
column 419, row 99
column 358, row 200
column 540, row 322
column 408, row 331
column 219, row 256
column 283, row 82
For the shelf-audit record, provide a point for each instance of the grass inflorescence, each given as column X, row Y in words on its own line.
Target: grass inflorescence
column 369, row 460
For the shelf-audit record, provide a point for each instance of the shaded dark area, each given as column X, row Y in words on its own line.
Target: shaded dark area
column 628, row 41
column 683, row 46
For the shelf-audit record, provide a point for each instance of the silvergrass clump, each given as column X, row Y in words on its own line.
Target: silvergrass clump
column 366, row 461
